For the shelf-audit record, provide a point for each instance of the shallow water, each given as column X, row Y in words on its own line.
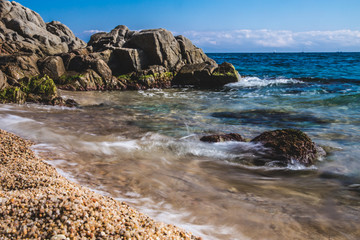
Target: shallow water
column 143, row 147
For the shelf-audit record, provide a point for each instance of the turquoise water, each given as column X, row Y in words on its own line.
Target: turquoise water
column 143, row 147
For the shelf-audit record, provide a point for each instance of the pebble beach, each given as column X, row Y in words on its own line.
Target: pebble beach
column 36, row 202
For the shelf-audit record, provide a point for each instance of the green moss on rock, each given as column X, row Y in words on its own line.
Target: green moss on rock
column 12, row 95
column 34, row 89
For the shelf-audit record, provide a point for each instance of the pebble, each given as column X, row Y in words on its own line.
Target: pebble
column 38, row 203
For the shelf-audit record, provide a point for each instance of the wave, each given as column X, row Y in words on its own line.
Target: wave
column 261, row 82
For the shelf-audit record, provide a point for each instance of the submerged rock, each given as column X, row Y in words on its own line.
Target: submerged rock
column 288, row 145
column 223, row 138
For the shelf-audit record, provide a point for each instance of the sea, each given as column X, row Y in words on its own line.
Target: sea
column 143, row 147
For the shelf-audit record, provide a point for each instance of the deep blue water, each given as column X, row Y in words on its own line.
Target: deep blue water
column 329, row 66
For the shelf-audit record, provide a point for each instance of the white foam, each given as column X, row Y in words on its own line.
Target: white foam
column 109, row 148
column 258, row 82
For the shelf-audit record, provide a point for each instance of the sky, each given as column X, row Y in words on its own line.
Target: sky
column 220, row 25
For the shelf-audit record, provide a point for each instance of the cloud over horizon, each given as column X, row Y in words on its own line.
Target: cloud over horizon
column 275, row 40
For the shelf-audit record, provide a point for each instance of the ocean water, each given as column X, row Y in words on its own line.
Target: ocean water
column 143, row 147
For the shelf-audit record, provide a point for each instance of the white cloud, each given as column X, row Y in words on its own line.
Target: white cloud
column 92, row 31
column 282, row 40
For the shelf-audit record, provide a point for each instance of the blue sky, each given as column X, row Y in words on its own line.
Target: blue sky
column 220, row 25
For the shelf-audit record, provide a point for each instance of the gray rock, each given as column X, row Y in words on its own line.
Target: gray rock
column 53, row 66
column 3, row 81
column 66, row 35
column 114, row 39
column 125, row 60
column 26, row 32
column 159, row 45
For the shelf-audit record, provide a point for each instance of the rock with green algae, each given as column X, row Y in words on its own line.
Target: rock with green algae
column 288, row 145
column 206, row 75
column 36, row 89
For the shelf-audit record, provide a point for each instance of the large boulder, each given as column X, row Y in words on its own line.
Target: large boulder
column 159, row 45
column 206, row 75
column 288, row 146
column 53, row 66
column 125, row 60
column 24, row 31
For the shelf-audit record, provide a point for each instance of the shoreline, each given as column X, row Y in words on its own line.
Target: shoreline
column 37, row 202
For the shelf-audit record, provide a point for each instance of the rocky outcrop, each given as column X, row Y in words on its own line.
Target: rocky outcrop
column 206, row 75
column 121, row 59
column 223, row 138
column 24, row 31
column 288, row 146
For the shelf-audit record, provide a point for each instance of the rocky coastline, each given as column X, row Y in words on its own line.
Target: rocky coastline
column 37, row 59
column 31, row 49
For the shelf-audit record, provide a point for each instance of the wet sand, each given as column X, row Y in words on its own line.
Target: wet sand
column 37, row 202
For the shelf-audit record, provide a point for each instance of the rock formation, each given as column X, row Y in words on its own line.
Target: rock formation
column 118, row 60
column 288, row 146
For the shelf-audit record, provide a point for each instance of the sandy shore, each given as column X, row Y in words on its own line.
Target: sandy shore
column 36, row 202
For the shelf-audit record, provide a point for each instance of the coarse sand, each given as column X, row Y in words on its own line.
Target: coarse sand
column 36, row 202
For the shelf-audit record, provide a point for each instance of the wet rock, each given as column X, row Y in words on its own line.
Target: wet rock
column 224, row 74
column 288, row 145
column 53, row 66
column 223, row 138
column 206, row 75
column 155, row 76
column 35, row 89
column 3, row 81
column 85, row 81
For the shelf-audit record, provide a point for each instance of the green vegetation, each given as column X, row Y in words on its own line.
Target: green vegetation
column 227, row 74
column 125, row 76
column 12, row 95
column 42, row 87
column 64, row 79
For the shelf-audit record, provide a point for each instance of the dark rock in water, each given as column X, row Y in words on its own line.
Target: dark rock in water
column 223, row 138
column 288, row 145
column 206, row 75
